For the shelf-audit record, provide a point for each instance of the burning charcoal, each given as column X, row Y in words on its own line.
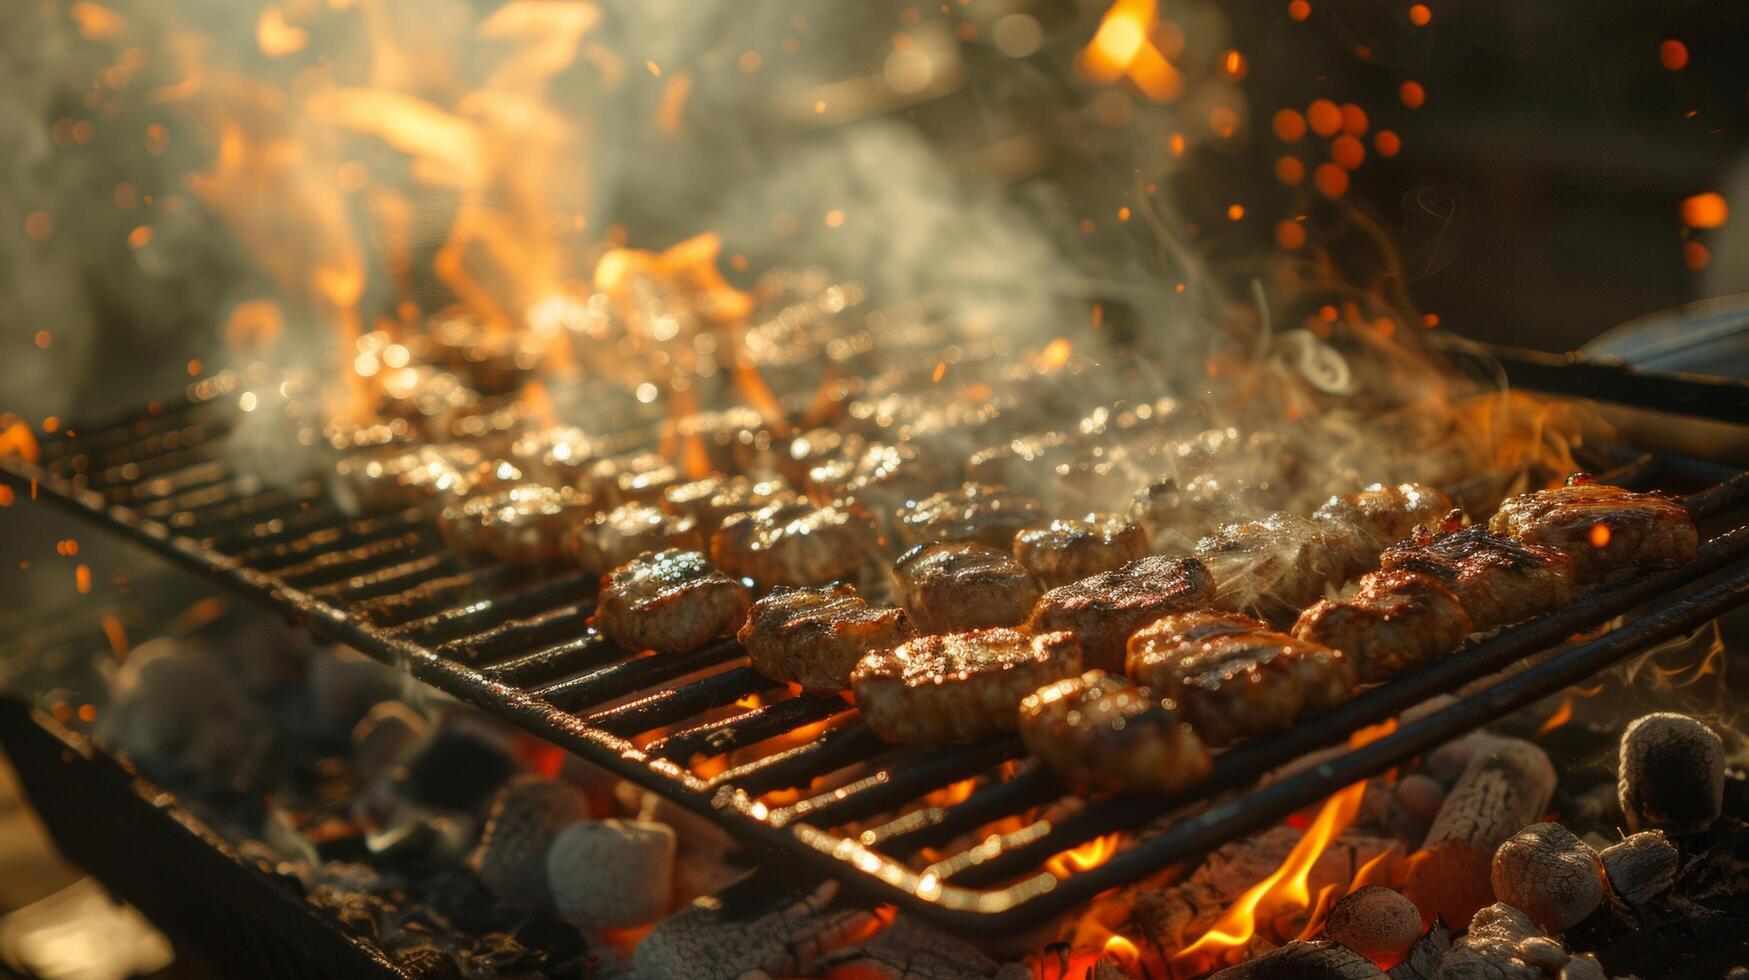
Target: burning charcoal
column 1640, row 868
column 457, row 769
column 525, row 817
column 1490, row 949
column 670, row 601
column 1066, row 551
column 1504, row 789
column 951, row 587
column 1301, row 960
column 1543, row 953
column 1672, row 774
column 611, row 872
column 1420, row 795
column 1583, row 966
column 345, row 684
column 989, row 515
column 176, row 713
column 1550, row 875
column 909, row 950
column 1376, row 922
column 709, row 940
column 385, row 737
column 1422, row 961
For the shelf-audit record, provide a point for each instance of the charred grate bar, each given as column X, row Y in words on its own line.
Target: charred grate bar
column 797, row 773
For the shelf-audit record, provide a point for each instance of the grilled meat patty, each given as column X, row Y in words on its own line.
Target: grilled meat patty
column 670, row 601
column 1498, row 580
column 1272, row 567
column 630, row 478
column 1100, row 733
column 963, row 585
column 711, row 500
column 1234, row 677
column 1360, row 525
column 1604, row 529
column 815, row 636
column 1176, row 513
column 1066, row 551
column 1396, row 620
column 627, row 531
column 957, row 687
column 975, row 512
column 791, row 543
column 524, row 525
column 1105, row 610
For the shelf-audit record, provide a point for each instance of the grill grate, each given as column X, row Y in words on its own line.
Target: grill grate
column 794, row 773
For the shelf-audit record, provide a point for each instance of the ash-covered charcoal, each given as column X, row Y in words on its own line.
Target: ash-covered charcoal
column 1105, row 610
column 1490, row 948
column 1672, row 774
column 909, row 950
column 1066, row 551
column 987, row 514
column 815, row 636
column 627, row 531
column 1395, row 621
column 527, row 814
column 1505, row 788
column 1424, row 956
column 1604, row 529
column 670, row 601
column 357, row 912
column 178, row 714
column 1550, row 875
column 422, row 958
column 792, row 543
column 1376, row 922
column 1300, row 960
column 611, row 872
column 951, row 587
column 1234, row 677
column 958, row 687
column 709, row 941
column 1641, row 867
column 1099, row 732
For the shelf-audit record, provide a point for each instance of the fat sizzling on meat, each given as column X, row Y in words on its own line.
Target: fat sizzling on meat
column 815, row 636
column 957, row 687
column 963, row 585
column 1065, row 551
column 1100, row 733
column 1604, row 529
column 1396, row 620
column 1233, row 677
column 668, row 600
column 1105, row 610
column 1498, row 580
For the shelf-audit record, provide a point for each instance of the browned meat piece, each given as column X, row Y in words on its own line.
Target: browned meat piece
column 1396, row 620
column 957, row 687
column 1066, row 551
column 1360, row 525
column 791, row 543
column 1028, row 463
column 371, row 480
column 524, row 525
column 630, row 478
column 1499, row 581
column 627, row 531
column 974, row 512
column 963, row 585
column 1272, row 567
column 1233, row 677
column 736, row 439
column 1105, row 610
column 1098, row 733
column 440, row 474
column 816, row 447
column 668, row 600
column 1603, row 529
column 710, row 500
column 814, row 636
column 876, row 483
column 1176, row 514
column 558, row 456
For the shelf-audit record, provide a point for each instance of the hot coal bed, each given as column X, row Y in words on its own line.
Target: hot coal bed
column 548, row 803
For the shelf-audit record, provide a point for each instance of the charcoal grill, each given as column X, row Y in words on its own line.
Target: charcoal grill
column 517, row 643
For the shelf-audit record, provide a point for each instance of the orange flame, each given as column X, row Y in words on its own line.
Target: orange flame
column 17, row 440
column 1124, row 46
column 1562, row 715
column 1085, row 857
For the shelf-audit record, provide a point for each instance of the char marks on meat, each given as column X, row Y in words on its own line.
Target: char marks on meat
column 1100, row 733
column 963, row 585
column 1105, row 610
column 1065, row 551
column 669, row 601
column 1604, row 529
column 1397, row 620
column 1498, row 580
column 815, row 636
column 958, row 687
column 1233, row 677
column 791, row 543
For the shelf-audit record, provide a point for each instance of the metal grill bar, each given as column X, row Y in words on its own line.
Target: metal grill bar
column 794, row 772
